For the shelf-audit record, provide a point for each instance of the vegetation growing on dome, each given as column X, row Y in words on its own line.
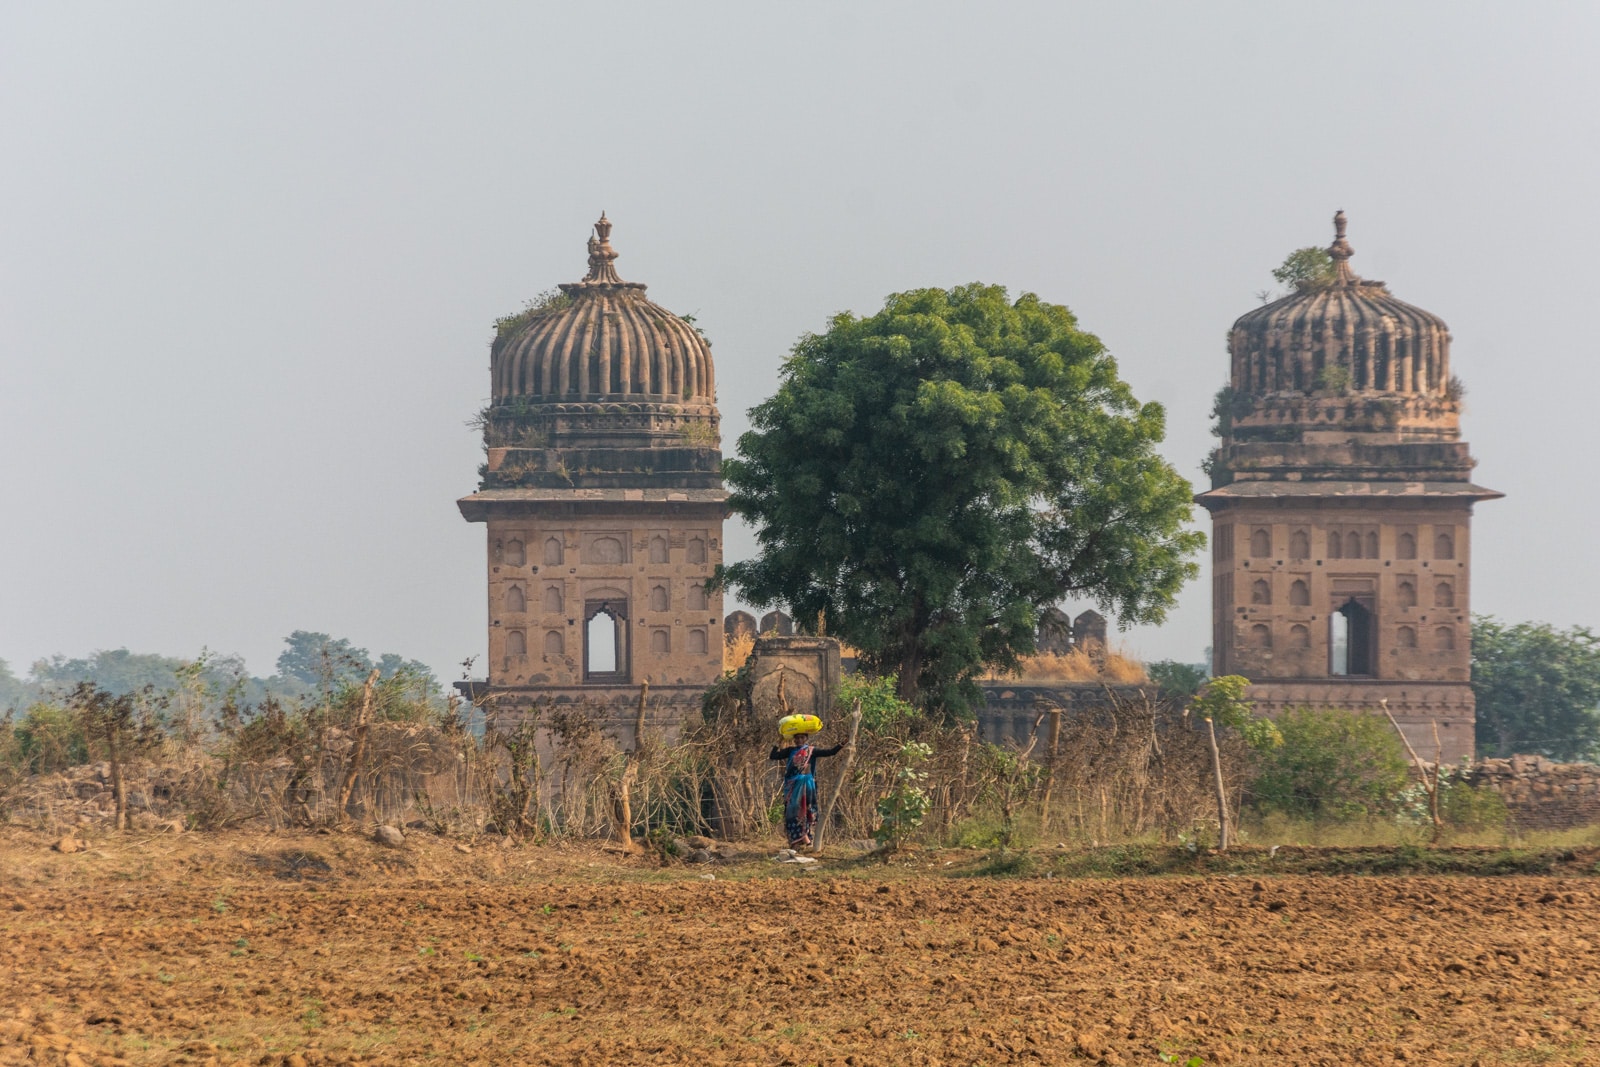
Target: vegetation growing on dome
column 543, row 304
column 1305, row 269
column 1332, row 378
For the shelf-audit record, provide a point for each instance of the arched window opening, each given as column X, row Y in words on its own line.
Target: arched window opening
column 1372, row 544
column 1350, row 633
column 1406, row 594
column 516, row 643
column 658, row 550
column 1299, row 636
column 660, row 642
column 1300, row 545
column 1444, row 546
column 1406, row 637
column 696, row 550
column 605, row 640
column 1444, row 639
column 1352, row 544
column 602, row 643
column 1444, row 595
column 1299, row 593
column 554, row 643
column 697, row 595
column 1405, row 546
column 516, row 600
column 697, row 642
column 1261, row 542
column 1260, row 636
column 1335, row 545
column 552, row 552
column 553, row 600
column 658, row 598
column 515, row 555
column 1260, row 591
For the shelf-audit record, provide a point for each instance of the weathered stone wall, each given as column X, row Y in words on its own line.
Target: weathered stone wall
column 807, row 668
column 1010, row 709
column 552, row 570
column 1541, row 795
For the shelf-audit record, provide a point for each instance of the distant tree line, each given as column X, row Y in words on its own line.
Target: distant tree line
column 310, row 664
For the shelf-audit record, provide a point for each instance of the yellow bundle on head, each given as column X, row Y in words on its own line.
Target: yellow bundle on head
column 792, row 725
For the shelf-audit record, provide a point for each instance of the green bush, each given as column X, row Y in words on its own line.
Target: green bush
column 51, row 739
column 881, row 706
column 1332, row 765
column 987, row 828
column 1467, row 807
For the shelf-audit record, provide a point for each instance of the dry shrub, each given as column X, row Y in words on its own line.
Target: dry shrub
column 1112, row 666
column 1123, row 770
column 1130, row 768
column 736, row 649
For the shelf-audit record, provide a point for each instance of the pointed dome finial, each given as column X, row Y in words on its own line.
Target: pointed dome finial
column 1340, row 251
column 602, row 256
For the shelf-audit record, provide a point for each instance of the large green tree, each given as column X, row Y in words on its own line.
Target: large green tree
column 1537, row 688
column 928, row 479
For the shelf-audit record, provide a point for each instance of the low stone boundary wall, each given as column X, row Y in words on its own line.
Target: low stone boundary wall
column 1010, row 708
column 1540, row 794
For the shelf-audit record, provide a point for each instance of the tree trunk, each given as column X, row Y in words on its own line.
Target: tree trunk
column 844, row 776
column 1222, row 790
column 910, row 668
column 358, row 750
column 119, row 784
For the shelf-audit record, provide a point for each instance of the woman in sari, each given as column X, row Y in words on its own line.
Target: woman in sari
column 800, row 787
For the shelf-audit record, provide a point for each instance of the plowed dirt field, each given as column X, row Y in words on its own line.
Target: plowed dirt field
column 304, row 949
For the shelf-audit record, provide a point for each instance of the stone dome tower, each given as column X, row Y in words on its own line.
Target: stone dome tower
column 1341, row 503
column 593, row 375
column 1339, row 361
column 603, row 498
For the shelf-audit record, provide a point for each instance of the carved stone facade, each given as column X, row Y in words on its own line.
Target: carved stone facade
column 602, row 499
column 1341, row 507
column 807, row 668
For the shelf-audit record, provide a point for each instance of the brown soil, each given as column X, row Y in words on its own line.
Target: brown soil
column 326, row 949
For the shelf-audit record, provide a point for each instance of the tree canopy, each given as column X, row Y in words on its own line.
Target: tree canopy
column 324, row 663
column 1537, row 689
column 928, row 479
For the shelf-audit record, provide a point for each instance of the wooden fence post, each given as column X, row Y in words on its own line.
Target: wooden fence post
column 358, row 751
column 844, row 776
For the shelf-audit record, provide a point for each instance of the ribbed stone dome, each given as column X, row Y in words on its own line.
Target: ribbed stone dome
column 608, row 344
column 1349, row 336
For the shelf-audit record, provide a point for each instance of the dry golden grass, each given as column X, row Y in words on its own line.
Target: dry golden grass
column 736, row 649
column 1116, row 667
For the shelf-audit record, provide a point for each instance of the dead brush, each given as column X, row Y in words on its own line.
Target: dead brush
column 1111, row 666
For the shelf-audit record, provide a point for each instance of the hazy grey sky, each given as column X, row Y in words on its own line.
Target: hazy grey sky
column 251, row 253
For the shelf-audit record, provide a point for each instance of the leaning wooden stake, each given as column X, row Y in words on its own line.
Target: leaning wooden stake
column 630, row 774
column 1429, row 786
column 844, row 776
column 358, row 752
column 1050, row 768
column 1222, row 790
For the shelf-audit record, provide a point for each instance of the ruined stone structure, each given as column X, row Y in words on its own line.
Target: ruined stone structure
column 602, row 498
column 808, row 668
column 1341, row 504
column 1059, row 634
